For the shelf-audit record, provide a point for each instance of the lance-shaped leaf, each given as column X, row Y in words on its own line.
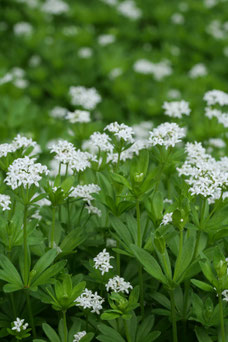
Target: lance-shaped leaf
column 184, row 260
column 50, row 333
column 149, row 263
column 10, row 274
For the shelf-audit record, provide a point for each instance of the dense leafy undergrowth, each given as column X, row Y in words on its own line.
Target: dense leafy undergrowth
column 114, row 171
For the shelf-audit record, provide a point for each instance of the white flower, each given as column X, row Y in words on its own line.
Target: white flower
column 101, row 141
column 85, row 52
column 225, row 294
column 142, row 129
column 79, row 335
column 23, row 29
column 58, row 112
column 205, row 175
column 25, row 172
column 19, row 325
column 174, row 94
column 21, row 141
column 34, row 61
column 177, row 18
column 64, row 151
column 89, row 300
column 198, row 70
column 5, row 149
column 167, row 218
column 158, row 70
column 5, row 202
column 114, row 73
column 106, row 39
column 121, row 131
column 78, row 116
column 167, row 134
column 88, row 98
column 216, row 142
column 55, row 7
column 213, row 97
column 129, row 9
column 85, row 191
column 176, row 109
column 93, row 210
column 102, row 262
column 118, row 284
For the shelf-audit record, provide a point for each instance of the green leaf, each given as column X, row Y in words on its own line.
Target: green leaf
column 9, row 272
column 50, row 333
column 203, row 286
column 120, row 179
column 109, row 315
column 109, row 334
column 149, row 263
column 73, row 239
column 184, row 259
column 67, row 183
column 202, row 335
column 44, row 262
column 45, row 277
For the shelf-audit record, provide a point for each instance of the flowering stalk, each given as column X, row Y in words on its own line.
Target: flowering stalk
column 25, row 246
column 65, row 326
column 53, row 227
column 173, row 316
column 221, row 317
column 139, row 243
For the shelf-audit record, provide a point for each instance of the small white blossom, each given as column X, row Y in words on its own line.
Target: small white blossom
column 216, row 142
column 5, row 202
column 85, row 52
column 121, row 131
column 118, row 284
column 78, row 116
column 129, row 9
column 167, row 218
column 79, row 335
column 174, row 94
column 114, row 73
column 158, row 70
column 58, row 112
column 89, row 300
column 24, row 171
column 93, row 210
column 198, row 70
column 19, row 325
column 167, row 134
column 213, row 97
column 176, row 109
column 102, row 262
column 23, row 29
column 55, row 7
column 88, row 98
column 106, row 39
column 177, row 18
column 225, row 294
column 85, row 191
column 101, row 141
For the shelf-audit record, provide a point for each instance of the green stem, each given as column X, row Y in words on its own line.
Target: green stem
column 29, row 308
column 53, row 227
column 118, row 259
column 13, row 304
column 127, row 331
column 65, row 326
column 25, row 246
column 198, row 236
column 185, row 305
column 139, row 238
column 173, row 316
column 221, row 318
column 139, row 244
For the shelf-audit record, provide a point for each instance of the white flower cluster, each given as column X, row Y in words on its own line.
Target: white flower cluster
column 25, row 172
column 67, row 154
column 88, row 98
column 55, row 7
column 85, row 52
column 58, row 112
column 176, row 109
column 23, row 29
column 217, row 142
column 93, row 210
column 206, row 176
column 198, row 70
column 142, row 129
column 158, row 70
column 19, row 325
column 78, row 116
column 177, row 18
column 118, row 284
column 217, row 29
column 167, row 218
column 85, row 191
column 16, row 76
column 216, row 97
column 102, row 261
column 129, row 9
column 101, row 141
column 79, row 335
column 106, row 39
column 121, row 131
column 225, row 294
column 166, row 134
column 89, row 300
column 5, row 202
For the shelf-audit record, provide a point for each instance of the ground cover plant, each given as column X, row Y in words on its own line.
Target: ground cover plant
column 114, row 171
